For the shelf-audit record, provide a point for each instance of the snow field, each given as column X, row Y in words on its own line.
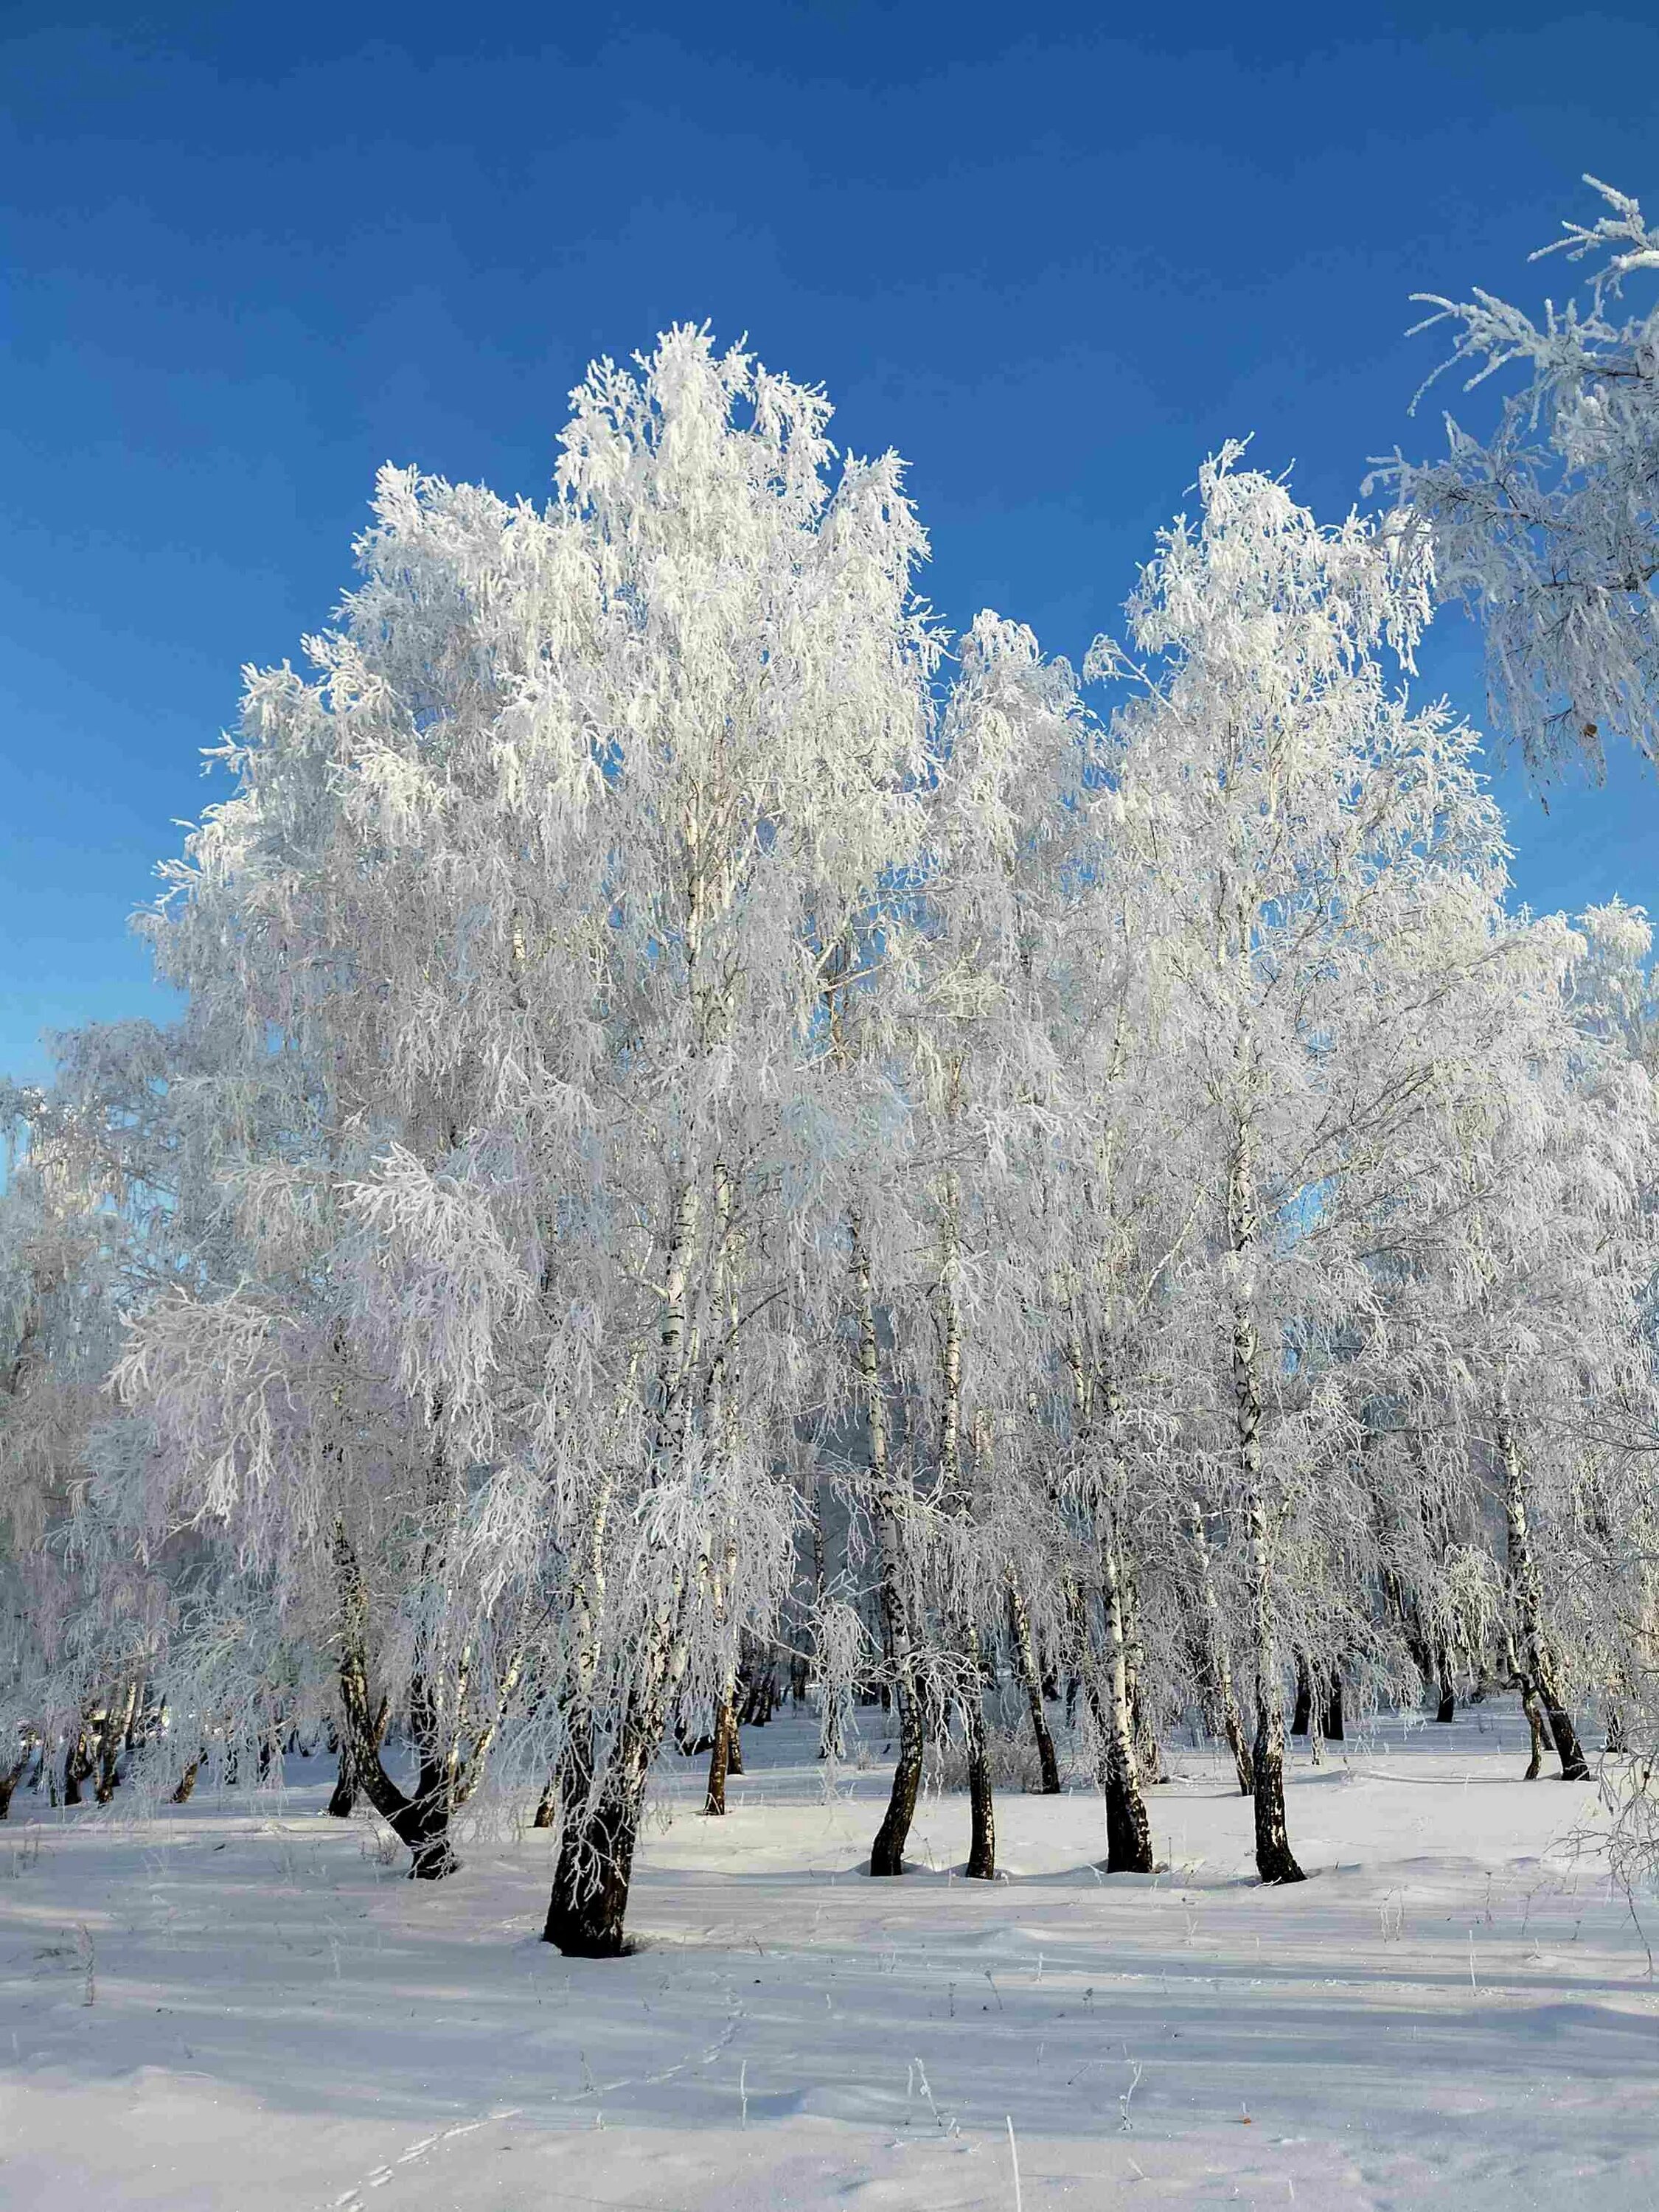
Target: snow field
column 240, row 2006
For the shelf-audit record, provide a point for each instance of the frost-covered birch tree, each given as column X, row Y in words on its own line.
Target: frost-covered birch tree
column 533, row 889
column 1548, row 528
column 1329, row 870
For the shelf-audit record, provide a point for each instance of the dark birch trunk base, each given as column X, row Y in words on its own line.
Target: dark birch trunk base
column 343, row 1797
column 421, row 1826
column 1048, row 1759
column 1334, row 1708
column 1535, row 1726
column 419, row 1823
column 589, row 1904
column 1148, row 1750
column 1243, row 1764
column 720, row 1758
column 9, row 1783
column 1026, row 1654
column 1128, row 1831
column 77, row 1769
column 1302, row 1716
column 1275, row 1860
column 888, row 1850
column 982, row 1839
column 1575, row 1767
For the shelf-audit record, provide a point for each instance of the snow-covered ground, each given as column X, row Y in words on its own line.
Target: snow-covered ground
column 240, row 2005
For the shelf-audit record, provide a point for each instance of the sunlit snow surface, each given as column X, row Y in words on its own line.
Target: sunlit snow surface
column 239, row 2007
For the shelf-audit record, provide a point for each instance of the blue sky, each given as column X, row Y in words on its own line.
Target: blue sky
column 1054, row 255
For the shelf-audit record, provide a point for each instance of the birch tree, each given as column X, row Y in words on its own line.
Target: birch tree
column 1547, row 529
column 1328, row 869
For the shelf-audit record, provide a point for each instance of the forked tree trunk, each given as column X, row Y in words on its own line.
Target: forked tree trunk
column 1025, row 1657
column 1446, row 1710
column 1575, row 1767
column 343, row 1799
column 114, row 1734
column 1537, row 1659
column 1218, row 1660
column 421, row 1822
column 1538, row 1736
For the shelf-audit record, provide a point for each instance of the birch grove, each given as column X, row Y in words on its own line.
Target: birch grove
column 720, row 1134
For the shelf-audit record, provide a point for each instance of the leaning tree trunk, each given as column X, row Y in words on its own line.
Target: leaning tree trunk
column 719, row 1753
column 421, row 1822
column 186, row 1784
column 10, row 1780
column 887, row 1852
column 1538, row 1737
column 1537, row 1660
column 1024, row 1645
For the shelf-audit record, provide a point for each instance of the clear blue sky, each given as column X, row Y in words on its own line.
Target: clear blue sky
column 1052, row 254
